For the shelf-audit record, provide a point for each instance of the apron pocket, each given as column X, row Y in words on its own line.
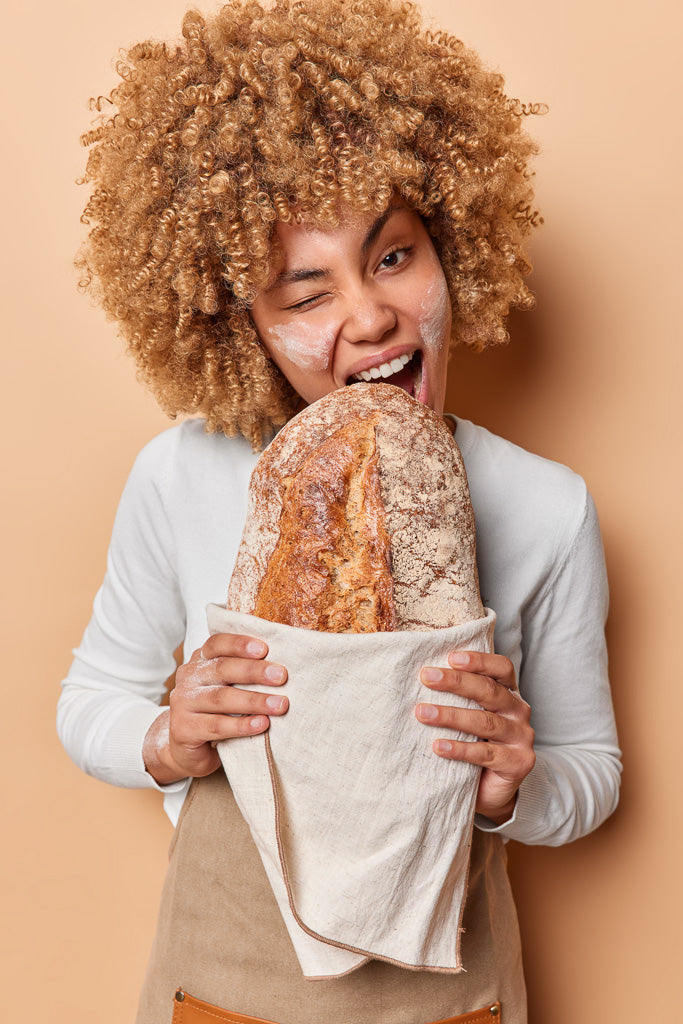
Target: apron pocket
column 489, row 1015
column 188, row 1009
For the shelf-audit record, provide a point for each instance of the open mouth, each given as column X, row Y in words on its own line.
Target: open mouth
column 403, row 372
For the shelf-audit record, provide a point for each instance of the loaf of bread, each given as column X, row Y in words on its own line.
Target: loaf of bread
column 359, row 520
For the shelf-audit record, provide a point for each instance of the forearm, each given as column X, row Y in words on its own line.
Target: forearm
column 568, row 794
column 103, row 733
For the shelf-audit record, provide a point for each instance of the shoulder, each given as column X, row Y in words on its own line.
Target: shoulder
column 190, row 440
column 187, row 453
column 532, row 501
column 186, row 485
column 498, row 463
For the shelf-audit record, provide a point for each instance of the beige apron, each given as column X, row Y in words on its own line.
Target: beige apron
column 221, row 937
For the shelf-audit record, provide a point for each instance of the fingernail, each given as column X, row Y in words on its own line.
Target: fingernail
column 432, row 675
column 276, row 703
column 257, row 648
column 274, row 673
column 259, row 722
column 442, row 746
column 427, row 712
column 458, row 659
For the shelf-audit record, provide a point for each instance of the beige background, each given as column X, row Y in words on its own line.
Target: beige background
column 590, row 380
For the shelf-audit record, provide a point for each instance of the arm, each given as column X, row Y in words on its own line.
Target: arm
column 109, row 716
column 571, row 784
column 116, row 682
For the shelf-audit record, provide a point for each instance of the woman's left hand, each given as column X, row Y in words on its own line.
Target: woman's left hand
column 504, row 744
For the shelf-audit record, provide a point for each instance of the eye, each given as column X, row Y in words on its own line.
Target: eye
column 306, row 302
column 396, row 257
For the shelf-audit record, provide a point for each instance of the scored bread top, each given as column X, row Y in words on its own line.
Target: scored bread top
column 331, row 567
column 327, row 458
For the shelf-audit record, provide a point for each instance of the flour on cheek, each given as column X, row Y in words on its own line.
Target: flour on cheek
column 306, row 345
column 435, row 311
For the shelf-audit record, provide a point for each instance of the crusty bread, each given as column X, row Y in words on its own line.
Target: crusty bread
column 359, row 520
column 331, row 567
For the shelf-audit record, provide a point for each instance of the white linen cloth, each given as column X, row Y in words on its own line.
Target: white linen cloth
column 363, row 831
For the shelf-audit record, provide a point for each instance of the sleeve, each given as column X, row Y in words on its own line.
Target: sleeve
column 116, row 682
column 574, row 785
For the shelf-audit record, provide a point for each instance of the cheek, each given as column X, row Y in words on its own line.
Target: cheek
column 434, row 321
column 304, row 345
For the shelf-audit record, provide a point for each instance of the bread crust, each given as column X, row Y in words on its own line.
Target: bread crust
column 427, row 515
column 331, row 567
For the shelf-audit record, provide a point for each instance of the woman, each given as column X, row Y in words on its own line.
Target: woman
column 291, row 200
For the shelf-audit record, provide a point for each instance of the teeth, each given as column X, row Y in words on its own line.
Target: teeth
column 385, row 369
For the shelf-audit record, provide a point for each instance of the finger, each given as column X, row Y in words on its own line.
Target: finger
column 481, row 753
column 484, row 690
column 214, row 728
column 232, row 645
column 514, row 763
column 226, row 728
column 482, row 724
column 497, row 666
column 229, row 672
column 240, row 672
column 224, row 700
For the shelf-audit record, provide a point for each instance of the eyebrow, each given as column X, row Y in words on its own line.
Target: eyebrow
column 317, row 273
column 376, row 228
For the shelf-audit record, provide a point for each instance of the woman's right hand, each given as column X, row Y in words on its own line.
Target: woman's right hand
column 181, row 741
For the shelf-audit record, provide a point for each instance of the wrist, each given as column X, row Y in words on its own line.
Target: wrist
column 499, row 815
column 156, row 753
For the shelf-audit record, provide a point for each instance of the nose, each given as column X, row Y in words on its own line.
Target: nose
column 368, row 319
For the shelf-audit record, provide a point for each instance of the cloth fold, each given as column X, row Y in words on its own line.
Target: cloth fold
column 363, row 831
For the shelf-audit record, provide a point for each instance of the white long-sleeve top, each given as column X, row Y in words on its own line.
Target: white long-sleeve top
column 541, row 569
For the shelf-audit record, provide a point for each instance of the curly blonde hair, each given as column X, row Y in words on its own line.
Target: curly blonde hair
column 263, row 114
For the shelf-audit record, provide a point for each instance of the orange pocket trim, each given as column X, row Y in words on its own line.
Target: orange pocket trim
column 188, row 1009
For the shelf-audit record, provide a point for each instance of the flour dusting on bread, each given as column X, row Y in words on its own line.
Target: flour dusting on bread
column 360, row 520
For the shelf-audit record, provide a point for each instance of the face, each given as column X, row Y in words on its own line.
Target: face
column 363, row 301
